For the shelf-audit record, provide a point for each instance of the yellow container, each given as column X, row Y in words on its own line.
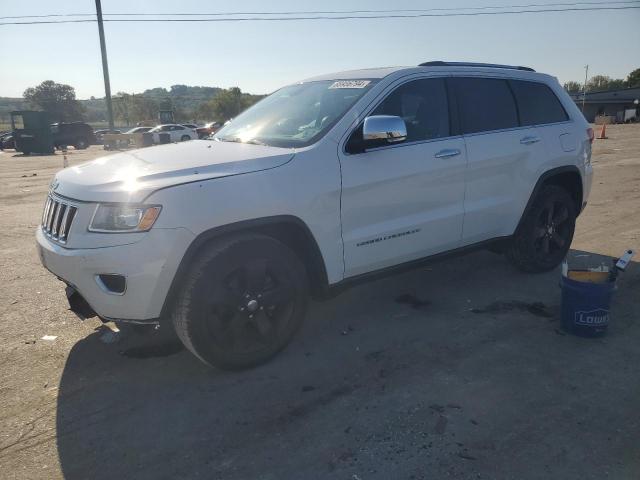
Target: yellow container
column 588, row 276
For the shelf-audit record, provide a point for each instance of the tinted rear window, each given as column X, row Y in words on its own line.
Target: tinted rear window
column 485, row 104
column 537, row 103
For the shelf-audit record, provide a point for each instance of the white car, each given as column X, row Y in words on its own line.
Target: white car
column 322, row 184
column 177, row 133
column 138, row 130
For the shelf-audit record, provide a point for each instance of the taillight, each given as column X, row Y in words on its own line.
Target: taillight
column 590, row 134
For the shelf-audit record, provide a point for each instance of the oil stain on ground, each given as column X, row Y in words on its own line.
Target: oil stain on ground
column 412, row 301
column 538, row 309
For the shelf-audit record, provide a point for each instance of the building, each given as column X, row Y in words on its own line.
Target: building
column 611, row 103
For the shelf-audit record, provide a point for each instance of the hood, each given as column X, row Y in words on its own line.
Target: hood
column 133, row 175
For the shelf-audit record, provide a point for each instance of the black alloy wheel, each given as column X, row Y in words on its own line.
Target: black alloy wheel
column 554, row 230
column 249, row 306
column 544, row 235
column 242, row 301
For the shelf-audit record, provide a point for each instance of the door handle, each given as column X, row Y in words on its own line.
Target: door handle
column 447, row 153
column 529, row 140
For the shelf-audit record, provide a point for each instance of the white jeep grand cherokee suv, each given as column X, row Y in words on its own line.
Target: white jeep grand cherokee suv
column 322, row 183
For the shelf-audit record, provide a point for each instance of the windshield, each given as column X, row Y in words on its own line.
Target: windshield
column 295, row 116
column 156, row 129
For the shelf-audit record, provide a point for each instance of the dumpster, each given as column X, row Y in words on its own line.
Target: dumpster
column 32, row 132
column 147, row 139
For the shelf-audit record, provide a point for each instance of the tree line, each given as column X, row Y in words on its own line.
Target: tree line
column 200, row 104
column 189, row 104
column 599, row 83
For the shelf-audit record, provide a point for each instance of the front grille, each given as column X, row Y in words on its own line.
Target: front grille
column 57, row 219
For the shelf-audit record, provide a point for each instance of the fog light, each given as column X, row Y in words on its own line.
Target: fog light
column 112, row 283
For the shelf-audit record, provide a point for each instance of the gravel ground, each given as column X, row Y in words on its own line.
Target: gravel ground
column 458, row 370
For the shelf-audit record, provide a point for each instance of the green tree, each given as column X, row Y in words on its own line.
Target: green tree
column 57, row 99
column 226, row 104
column 132, row 109
column 144, row 109
column 572, row 87
column 204, row 112
column 122, row 107
column 616, row 84
column 598, row 82
column 633, row 79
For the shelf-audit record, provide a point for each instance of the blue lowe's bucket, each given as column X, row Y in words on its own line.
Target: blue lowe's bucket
column 586, row 297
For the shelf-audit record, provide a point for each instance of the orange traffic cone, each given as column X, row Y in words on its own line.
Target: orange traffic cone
column 603, row 132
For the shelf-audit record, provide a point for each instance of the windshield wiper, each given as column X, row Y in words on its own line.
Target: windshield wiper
column 253, row 141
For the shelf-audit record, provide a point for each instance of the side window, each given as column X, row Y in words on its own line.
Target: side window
column 537, row 103
column 178, row 127
column 485, row 104
column 422, row 104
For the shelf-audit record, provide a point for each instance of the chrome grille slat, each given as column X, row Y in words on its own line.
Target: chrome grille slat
column 52, row 215
column 57, row 218
column 63, row 223
column 46, row 209
column 49, row 212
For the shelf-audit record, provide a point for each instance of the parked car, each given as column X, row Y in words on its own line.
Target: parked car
column 139, row 130
column 78, row 134
column 322, row 184
column 208, row 129
column 99, row 135
column 6, row 141
column 177, row 133
column 192, row 126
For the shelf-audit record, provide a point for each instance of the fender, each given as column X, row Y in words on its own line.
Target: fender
column 544, row 178
column 307, row 248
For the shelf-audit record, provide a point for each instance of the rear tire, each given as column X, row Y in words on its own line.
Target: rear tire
column 241, row 302
column 184, row 138
column 81, row 144
column 544, row 236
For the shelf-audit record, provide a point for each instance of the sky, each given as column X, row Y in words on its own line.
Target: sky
column 259, row 57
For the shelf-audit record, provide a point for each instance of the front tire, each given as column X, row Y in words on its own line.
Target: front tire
column 241, row 302
column 543, row 238
column 81, row 144
column 184, row 138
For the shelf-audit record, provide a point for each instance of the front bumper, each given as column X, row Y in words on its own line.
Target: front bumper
column 148, row 265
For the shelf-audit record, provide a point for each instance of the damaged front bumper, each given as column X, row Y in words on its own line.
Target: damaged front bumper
column 148, row 267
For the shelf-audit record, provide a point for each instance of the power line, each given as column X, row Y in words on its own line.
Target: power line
column 336, row 17
column 325, row 12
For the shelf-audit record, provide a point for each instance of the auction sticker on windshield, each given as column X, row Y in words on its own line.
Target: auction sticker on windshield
column 350, row 84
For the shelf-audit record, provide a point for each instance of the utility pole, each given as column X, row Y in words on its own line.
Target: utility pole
column 105, row 66
column 584, row 89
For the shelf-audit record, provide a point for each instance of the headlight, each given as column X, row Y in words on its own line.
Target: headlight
column 124, row 218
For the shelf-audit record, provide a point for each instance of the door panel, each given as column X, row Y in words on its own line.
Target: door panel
column 404, row 201
column 502, row 157
column 401, row 203
column 498, row 181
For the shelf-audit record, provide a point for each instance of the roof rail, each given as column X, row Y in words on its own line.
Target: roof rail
column 440, row 63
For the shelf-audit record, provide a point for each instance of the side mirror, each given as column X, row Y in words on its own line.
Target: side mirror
column 380, row 129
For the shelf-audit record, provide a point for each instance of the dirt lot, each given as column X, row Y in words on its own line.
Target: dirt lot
column 472, row 380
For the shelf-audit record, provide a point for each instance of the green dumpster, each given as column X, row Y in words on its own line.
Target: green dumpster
column 32, row 132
